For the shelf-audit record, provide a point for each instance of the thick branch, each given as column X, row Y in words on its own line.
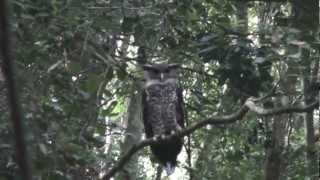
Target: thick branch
column 294, row 109
column 227, row 119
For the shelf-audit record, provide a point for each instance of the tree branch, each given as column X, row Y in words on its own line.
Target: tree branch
column 282, row 110
column 249, row 105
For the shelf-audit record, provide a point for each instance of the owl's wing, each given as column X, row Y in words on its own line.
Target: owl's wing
column 147, row 125
column 180, row 108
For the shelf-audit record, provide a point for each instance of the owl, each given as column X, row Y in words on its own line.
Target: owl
column 163, row 111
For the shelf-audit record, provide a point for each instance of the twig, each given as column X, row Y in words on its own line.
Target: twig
column 199, row 72
column 122, row 7
column 227, row 119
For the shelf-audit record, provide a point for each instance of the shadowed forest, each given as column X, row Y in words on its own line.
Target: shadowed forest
column 72, row 93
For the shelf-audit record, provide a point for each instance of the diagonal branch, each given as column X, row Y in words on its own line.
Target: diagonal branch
column 216, row 120
column 282, row 110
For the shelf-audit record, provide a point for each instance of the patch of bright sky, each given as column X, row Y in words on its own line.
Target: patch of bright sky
column 253, row 24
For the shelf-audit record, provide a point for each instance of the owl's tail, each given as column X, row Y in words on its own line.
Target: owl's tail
column 169, row 167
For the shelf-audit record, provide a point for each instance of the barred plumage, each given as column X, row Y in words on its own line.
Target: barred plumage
column 162, row 100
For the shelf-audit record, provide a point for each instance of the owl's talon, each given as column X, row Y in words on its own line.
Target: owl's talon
column 163, row 136
column 179, row 128
column 172, row 132
column 156, row 137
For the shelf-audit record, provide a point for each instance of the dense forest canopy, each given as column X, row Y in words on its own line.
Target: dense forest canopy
column 249, row 71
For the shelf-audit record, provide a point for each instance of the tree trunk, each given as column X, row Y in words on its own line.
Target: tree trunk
column 3, row 95
column 275, row 161
column 309, row 96
column 205, row 158
column 307, row 20
column 133, row 124
column 4, row 110
column 242, row 16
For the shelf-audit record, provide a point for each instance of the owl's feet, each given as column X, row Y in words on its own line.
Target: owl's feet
column 163, row 136
column 156, row 138
column 159, row 137
column 179, row 128
column 176, row 130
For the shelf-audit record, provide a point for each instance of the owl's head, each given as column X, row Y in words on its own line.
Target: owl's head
column 160, row 72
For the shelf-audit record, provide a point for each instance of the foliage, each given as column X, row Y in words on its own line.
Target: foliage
column 75, row 74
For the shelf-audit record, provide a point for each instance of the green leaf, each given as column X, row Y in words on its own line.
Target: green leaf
column 57, row 175
column 121, row 74
column 128, row 24
column 92, row 83
column 75, row 67
column 101, row 129
column 110, row 108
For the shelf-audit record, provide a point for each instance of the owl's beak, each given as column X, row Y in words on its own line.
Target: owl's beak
column 161, row 77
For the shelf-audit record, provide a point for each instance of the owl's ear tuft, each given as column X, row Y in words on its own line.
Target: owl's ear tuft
column 174, row 66
column 147, row 67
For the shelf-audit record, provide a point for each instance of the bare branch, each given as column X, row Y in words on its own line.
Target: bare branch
column 291, row 109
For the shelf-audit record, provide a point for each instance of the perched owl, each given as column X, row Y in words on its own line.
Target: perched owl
column 163, row 111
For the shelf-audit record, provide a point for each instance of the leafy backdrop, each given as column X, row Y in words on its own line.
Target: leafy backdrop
column 78, row 72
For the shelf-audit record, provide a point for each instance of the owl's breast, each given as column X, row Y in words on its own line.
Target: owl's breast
column 161, row 93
